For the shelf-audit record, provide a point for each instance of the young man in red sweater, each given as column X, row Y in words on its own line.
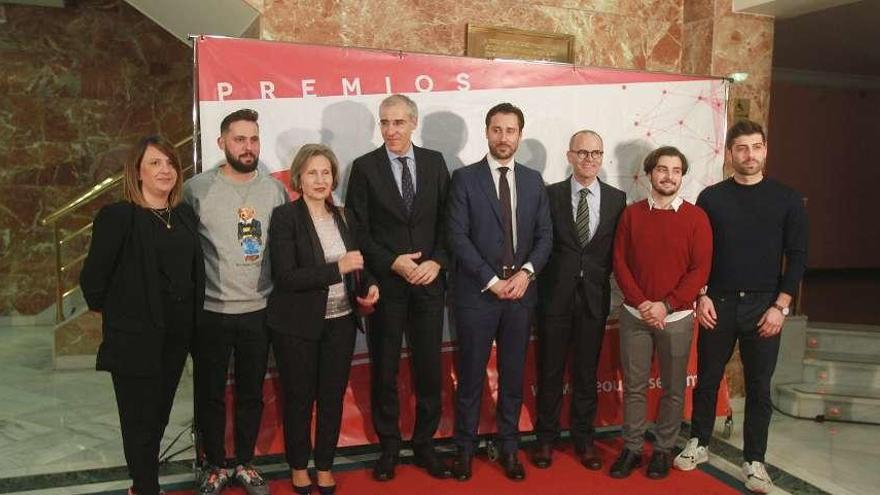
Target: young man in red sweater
column 662, row 257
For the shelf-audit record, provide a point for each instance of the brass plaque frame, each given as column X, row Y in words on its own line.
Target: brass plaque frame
column 492, row 42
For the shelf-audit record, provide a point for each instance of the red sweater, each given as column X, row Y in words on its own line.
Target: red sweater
column 662, row 255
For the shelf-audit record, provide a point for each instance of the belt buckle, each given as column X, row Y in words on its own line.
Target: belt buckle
column 507, row 272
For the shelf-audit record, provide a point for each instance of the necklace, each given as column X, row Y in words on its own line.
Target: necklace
column 163, row 214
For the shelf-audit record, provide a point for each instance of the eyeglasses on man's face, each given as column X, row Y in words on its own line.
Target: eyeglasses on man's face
column 583, row 154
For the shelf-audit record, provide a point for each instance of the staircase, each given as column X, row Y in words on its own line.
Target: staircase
column 840, row 377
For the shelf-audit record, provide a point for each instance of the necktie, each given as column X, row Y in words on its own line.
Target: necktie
column 583, row 219
column 407, row 191
column 506, row 217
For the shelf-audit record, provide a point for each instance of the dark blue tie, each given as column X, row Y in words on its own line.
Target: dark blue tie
column 407, row 191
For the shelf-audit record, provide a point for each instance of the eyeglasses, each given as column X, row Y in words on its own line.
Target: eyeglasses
column 583, row 154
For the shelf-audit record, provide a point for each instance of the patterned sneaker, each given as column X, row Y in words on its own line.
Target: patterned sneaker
column 756, row 477
column 251, row 480
column 692, row 455
column 216, row 478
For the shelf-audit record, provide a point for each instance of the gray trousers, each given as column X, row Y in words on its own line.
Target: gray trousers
column 637, row 343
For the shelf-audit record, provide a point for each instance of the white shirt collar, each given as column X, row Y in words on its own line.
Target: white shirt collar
column 494, row 165
column 675, row 204
column 576, row 186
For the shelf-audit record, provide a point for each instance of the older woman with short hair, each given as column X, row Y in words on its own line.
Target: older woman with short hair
column 319, row 281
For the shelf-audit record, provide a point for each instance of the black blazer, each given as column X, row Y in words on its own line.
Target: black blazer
column 386, row 230
column 300, row 275
column 571, row 266
column 120, row 278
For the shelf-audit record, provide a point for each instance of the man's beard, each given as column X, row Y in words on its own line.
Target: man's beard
column 666, row 193
column 499, row 155
column 240, row 167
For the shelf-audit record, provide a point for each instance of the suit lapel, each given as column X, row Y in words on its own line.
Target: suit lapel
column 604, row 207
column 521, row 207
column 305, row 219
column 422, row 182
column 487, row 184
column 387, row 179
column 563, row 206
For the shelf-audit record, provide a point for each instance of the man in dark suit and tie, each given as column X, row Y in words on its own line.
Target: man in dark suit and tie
column 501, row 235
column 398, row 195
column 575, row 296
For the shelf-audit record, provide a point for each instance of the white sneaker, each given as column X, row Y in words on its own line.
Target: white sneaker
column 756, row 477
column 692, row 455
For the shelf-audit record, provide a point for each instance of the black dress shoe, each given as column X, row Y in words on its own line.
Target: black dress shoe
column 589, row 458
column 542, row 456
column 384, row 468
column 512, row 467
column 430, row 462
column 461, row 466
column 658, row 468
column 625, row 463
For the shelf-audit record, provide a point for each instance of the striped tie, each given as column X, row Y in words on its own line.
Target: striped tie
column 583, row 218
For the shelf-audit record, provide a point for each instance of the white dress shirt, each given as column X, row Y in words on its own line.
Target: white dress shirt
column 494, row 165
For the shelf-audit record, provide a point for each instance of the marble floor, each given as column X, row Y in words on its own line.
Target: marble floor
column 54, row 422
column 63, row 421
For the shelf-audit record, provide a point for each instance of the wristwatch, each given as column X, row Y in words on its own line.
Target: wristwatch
column 668, row 307
column 782, row 309
column 530, row 273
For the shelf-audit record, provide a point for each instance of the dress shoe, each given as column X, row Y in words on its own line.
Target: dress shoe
column 589, row 457
column 461, row 466
column 658, row 468
column 542, row 456
column 430, row 462
column 512, row 467
column 384, row 468
column 625, row 463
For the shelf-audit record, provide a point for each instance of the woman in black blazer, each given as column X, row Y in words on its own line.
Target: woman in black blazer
column 144, row 273
column 319, row 282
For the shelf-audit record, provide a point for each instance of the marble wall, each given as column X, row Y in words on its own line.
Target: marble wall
column 77, row 85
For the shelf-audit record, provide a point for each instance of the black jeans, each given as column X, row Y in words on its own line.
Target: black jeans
column 145, row 402
column 219, row 337
column 738, row 316
column 310, row 371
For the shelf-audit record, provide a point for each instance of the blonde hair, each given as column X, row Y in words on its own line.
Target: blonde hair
column 302, row 157
column 131, row 189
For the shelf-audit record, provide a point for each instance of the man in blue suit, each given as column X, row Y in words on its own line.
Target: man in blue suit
column 501, row 235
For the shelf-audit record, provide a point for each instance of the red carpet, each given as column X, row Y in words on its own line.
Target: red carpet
column 566, row 476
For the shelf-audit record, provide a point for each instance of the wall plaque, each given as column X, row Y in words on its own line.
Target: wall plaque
column 490, row 42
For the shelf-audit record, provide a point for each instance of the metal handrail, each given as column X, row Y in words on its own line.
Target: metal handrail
column 54, row 218
column 93, row 193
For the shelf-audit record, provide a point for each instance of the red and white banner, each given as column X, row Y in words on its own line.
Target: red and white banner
column 330, row 95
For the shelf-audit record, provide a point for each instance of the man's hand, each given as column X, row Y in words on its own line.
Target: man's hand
column 405, row 264
column 498, row 288
column 771, row 322
column 706, row 312
column 655, row 314
column 517, row 285
column 425, row 273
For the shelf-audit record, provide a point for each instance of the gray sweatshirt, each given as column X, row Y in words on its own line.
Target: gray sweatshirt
column 234, row 229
